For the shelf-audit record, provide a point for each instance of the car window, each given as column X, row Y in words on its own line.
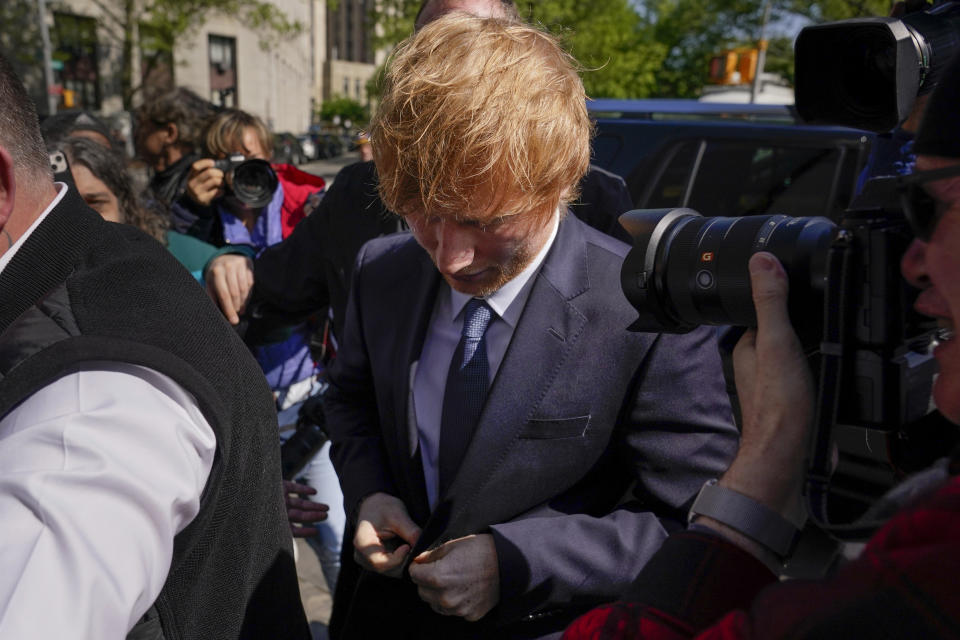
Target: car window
column 734, row 178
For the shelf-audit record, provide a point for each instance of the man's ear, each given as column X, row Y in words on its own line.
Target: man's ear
column 173, row 132
column 8, row 186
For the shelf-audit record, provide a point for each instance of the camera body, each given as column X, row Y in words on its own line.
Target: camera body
column 251, row 180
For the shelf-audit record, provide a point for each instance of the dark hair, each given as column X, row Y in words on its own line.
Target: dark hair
column 182, row 107
column 62, row 125
column 106, row 166
column 19, row 126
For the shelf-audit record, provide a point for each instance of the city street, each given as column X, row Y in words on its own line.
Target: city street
column 328, row 168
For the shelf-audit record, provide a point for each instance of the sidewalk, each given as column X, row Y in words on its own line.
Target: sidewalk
column 329, row 168
column 317, row 600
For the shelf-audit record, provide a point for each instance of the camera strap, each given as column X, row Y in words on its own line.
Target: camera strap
column 834, row 349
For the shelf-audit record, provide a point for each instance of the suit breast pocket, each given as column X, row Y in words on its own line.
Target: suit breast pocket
column 553, row 428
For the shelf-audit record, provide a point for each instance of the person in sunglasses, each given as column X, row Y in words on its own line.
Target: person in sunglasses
column 713, row 579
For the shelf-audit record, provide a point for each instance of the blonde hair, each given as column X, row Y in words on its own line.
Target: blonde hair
column 225, row 133
column 475, row 108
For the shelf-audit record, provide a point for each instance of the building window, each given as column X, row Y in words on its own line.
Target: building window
column 223, row 71
column 74, row 58
column 346, row 87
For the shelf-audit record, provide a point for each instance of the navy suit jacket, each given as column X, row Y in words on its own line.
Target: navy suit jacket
column 591, row 445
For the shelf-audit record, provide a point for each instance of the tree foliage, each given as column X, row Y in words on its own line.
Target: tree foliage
column 651, row 48
column 614, row 47
column 346, row 108
column 694, row 30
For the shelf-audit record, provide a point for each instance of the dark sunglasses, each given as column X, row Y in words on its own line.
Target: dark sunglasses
column 920, row 209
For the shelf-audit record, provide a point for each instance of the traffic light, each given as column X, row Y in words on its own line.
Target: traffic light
column 747, row 65
column 722, row 68
column 735, row 66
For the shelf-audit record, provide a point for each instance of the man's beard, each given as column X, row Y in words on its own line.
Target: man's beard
column 501, row 274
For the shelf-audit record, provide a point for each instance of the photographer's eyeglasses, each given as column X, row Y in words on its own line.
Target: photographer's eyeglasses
column 921, row 210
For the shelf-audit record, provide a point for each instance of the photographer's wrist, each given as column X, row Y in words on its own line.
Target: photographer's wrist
column 775, row 484
column 772, row 561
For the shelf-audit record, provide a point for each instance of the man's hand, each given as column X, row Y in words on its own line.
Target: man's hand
column 204, row 182
column 776, row 394
column 229, row 280
column 460, row 577
column 302, row 511
column 382, row 521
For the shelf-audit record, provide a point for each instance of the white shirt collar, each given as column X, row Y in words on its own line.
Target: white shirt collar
column 502, row 300
column 8, row 256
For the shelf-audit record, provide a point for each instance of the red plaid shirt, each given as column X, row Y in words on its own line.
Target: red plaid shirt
column 906, row 584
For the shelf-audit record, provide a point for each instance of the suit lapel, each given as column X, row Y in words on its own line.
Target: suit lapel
column 411, row 331
column 548, row 328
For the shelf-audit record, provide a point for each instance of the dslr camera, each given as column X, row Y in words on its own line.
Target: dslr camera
column 252, row 180
column 848, row 301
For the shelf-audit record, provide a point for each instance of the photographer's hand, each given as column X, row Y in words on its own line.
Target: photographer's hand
column 204, row 182
column 301, row 511
column 776, row 393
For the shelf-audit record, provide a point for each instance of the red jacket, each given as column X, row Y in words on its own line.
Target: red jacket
column 906, row 584
column 297, row 187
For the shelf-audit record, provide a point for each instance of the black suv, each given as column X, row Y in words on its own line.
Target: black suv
column 728, row 159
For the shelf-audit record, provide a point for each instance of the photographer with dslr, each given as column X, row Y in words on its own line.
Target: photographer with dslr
column 241, row 202
column 234, row 195
column 715, row 578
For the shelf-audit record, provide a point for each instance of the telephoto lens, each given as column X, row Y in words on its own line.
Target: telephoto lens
column 254, row 182
column 686, row 270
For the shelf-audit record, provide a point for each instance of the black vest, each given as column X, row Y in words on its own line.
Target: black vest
column 81, row 290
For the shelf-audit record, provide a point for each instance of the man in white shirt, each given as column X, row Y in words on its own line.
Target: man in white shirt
column 508, row 451
column 126, row 465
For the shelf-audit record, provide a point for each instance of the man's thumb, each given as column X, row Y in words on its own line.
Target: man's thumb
column 406, row 529
column 432, row 555
column 768, row 282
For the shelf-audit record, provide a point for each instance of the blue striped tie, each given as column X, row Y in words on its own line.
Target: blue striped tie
column 467, row 382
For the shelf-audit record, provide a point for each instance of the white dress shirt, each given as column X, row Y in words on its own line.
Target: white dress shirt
column 98, row 471
column 429, row 374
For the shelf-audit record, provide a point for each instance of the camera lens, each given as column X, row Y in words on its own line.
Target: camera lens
column 849, row 75
column 686, row 270
column 254, row 182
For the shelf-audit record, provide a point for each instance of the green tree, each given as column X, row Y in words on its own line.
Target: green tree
column 346, row 108
column 609, row 39
column 829, row 10
column 650, row 48
column 166, row 21
column 694, row 30
column 780, row 58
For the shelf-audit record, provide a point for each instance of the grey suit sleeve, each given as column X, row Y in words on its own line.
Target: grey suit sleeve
column 676, row 431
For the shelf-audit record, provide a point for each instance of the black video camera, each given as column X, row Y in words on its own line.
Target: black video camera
column 867, row 72
column 252, row 181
